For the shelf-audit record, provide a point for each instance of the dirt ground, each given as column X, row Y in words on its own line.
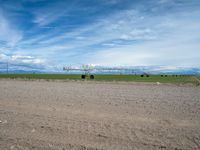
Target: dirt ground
column 93, row 115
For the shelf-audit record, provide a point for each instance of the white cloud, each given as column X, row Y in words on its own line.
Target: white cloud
column 122, row 56
column 15, row 57
column 33, row 61
column 177, row 46
column 123, row 26
column 138, row 36
column 2, row 57
column 156, row 39
column 52, row 12
column 46, row 18
column 161, row 52
column 27, row 60
column 8, row 33
column 23, row 60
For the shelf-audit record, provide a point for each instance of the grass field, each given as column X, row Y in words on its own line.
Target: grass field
column 129, row 78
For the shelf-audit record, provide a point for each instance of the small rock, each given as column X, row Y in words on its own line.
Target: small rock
column 50, row 145
column 33, row 130
column 163, row 147
column 100, row 135
column 158, row 83
column 12, row 147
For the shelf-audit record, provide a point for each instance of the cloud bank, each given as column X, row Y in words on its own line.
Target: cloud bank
column 124, row 32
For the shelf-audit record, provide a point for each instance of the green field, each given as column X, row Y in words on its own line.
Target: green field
column 129, row 78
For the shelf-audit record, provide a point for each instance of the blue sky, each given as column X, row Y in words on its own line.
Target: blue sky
column 47, row 34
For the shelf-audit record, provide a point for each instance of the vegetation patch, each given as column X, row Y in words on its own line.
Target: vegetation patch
column 110, row 77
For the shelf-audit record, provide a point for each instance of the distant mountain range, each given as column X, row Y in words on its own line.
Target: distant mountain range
column 21, row 72
column 123, row 70
column 157, row 70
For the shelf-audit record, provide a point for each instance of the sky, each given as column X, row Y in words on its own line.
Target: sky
column 50, row 34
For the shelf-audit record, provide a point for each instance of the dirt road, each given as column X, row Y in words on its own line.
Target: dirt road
column 89, row 115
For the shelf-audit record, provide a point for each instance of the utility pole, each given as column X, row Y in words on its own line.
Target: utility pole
column 7, row 67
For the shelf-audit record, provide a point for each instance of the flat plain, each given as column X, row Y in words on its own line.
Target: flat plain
column 176, row 79
column 88, row 115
